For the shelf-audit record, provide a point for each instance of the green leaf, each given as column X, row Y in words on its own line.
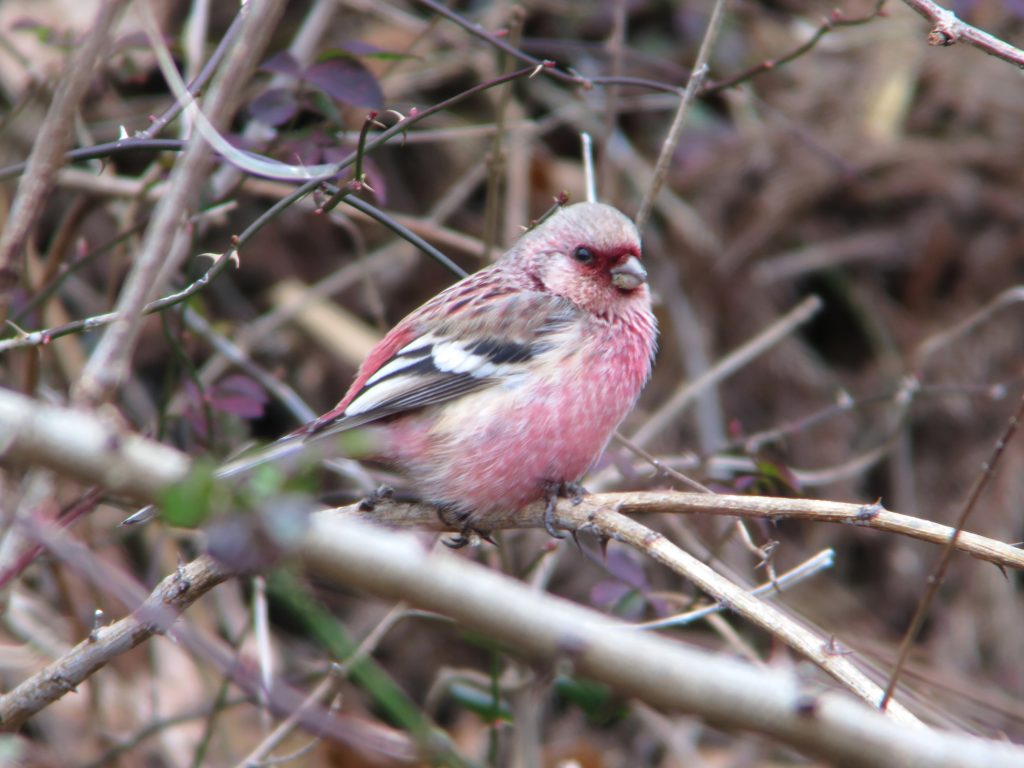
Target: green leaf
column 320, row 624
column 596, row 700
column 187, row 504
column 480, row 702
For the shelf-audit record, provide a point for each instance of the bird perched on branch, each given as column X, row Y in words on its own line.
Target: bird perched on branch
column 505, row 388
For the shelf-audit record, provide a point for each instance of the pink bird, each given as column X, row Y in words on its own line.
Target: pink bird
column 505, row 388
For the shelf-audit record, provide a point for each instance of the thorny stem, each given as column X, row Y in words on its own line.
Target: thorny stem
column 360, row 176
column 935, row 579
column 201, row 79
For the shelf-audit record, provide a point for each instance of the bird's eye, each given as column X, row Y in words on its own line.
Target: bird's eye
column 583, row 255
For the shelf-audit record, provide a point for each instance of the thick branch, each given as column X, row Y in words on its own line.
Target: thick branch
column 668, row 674
column 91, row 448
column 172, row 595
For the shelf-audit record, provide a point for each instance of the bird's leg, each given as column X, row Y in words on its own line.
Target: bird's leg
column 556, row 490
column 381, row 493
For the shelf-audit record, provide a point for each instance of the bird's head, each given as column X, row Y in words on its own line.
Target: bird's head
column 589, row 253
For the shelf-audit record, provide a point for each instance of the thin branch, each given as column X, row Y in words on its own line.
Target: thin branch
column 873, row 516
column 935, row 580
column 165, row 242
column 280, row 390
column 541, row 66
column 405, row 233
column 675, row 131
column 107, row 149
column 45, row 336
column 53, row 138
column 200, row 80
column 158, row 613
column 811, row 567
column 927, row 348
column 735, row 360
column 833, row 21
column 949, row 30
column 171, row 596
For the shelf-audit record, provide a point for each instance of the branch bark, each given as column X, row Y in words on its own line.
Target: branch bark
column 949, row 30
column 727, row 693
column 93, row 449
column 166, row 240
column 48, row 150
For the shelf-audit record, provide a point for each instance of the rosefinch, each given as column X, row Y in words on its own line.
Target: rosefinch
column 506, row 387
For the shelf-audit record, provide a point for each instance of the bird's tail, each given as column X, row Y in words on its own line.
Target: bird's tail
column 279, row 450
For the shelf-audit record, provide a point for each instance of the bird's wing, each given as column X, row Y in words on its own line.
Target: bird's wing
column 439, row 355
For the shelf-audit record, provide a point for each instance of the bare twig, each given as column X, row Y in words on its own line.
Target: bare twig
column 54, row 136
column 171, row 596
column 833, row 21
column 199, row 81
column 927, row 348
column 935, row 580
column 155, row 614
column 46, row 335
column 547, row 68
column 165, row 242
column 675, row 131
column 735, row 360
column 873, row 516
column 949, row 30
column 616, row 46
column 821, row 561
column 280, row 390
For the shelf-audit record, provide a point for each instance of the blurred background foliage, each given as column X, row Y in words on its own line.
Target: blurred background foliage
column 873, row 171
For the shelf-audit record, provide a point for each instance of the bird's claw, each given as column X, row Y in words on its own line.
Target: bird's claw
column 465, row 537
column 375, row 497
column 452, row 516
column 564, row 490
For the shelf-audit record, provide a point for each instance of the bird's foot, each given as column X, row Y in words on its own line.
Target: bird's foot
column 452, row 517
column 370, row 502
column 560, row 490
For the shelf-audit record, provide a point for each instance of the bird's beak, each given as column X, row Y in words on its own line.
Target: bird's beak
column 629, row 275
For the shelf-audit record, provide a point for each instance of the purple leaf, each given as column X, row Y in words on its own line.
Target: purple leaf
column 347, row 81
column 194, row 413
column 743, row 483
column 302, row 150
column 238, row 395
column 360, row 47
column 605, row 594
column 275, row 106
column 624, row 566
column 282, row 63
